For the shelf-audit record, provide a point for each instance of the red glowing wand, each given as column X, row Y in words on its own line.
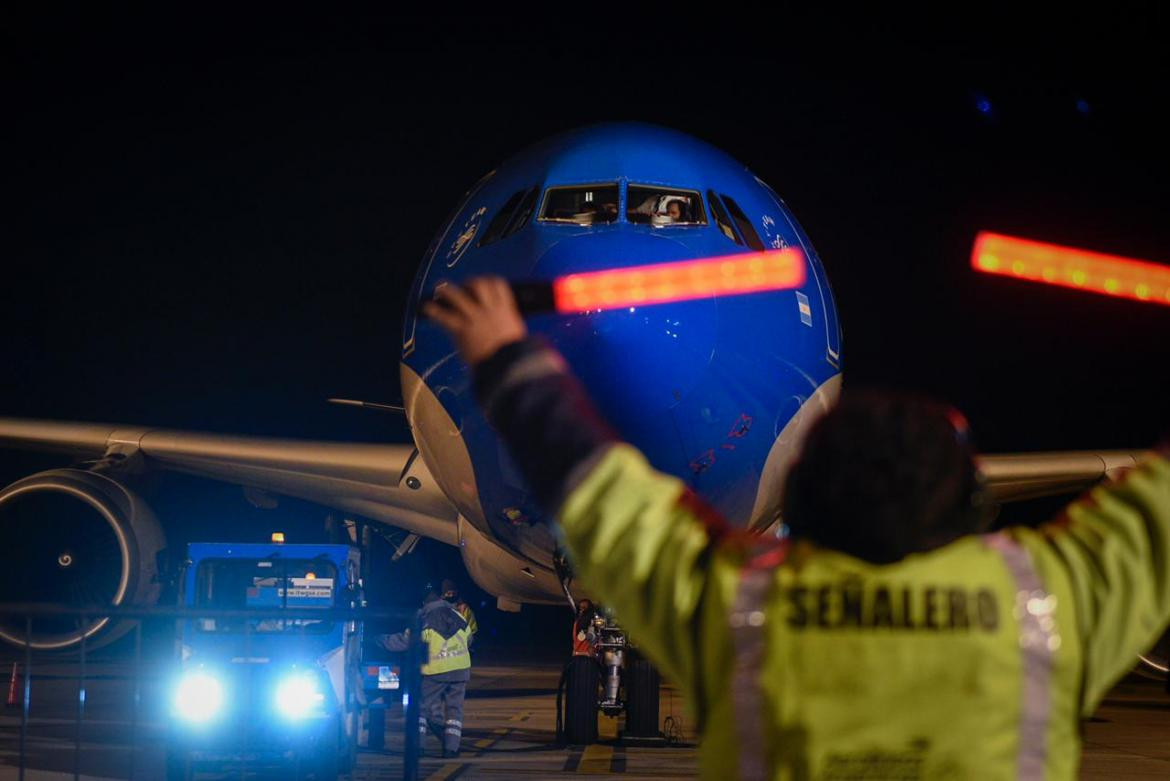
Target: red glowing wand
column 661, row 283
column 1053, row 264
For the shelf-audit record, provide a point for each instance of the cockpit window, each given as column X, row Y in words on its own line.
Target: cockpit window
column 523, row 212
column 662, row 206
column 588, row 204
column 745, row 225
column 499, row 223
column 721, row 218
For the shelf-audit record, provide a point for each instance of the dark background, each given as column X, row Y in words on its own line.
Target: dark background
column 211, row 221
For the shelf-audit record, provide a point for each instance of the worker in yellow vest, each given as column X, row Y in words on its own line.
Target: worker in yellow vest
column 450, row 593
column 890, row 636
column 445, row 673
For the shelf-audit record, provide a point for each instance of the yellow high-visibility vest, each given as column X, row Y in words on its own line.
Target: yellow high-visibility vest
column 975, row 660
column 445, row 655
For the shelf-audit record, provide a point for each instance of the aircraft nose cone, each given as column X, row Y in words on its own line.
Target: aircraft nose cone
column 637, row 362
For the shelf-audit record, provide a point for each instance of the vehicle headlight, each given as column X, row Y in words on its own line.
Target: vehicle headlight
column 299, row 695
column 198, row 697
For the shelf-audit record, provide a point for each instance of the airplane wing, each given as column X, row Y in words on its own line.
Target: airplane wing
column 1013, row 477
column 390, row 483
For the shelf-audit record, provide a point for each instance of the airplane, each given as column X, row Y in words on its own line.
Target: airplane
column 718, row 391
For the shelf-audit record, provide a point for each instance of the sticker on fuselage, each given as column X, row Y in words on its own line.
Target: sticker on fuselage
column 805, row 308
column 775, row 240
column 465, row 237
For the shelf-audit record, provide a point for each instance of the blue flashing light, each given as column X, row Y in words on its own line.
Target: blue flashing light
column 1083, row 106
column 983, row 105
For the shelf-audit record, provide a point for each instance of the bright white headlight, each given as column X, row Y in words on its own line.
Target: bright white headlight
column 298, row 695
column 198, row 697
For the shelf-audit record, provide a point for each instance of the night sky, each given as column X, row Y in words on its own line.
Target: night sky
column 212, row 222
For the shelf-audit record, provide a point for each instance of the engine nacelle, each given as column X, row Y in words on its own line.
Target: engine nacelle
column 497, row 570
column 73, row 537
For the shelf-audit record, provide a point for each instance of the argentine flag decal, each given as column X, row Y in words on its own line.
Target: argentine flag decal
column 805, row 309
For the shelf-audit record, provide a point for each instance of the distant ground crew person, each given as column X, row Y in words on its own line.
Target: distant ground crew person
column 891, row 637
column 451, row 595
column 445, row 674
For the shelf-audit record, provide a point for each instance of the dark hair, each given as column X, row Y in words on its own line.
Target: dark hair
column 885, row 475
column 428, row 593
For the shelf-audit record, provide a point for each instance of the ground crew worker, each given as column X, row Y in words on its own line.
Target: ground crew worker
column 889, row 638
column 445, row 673
column 451, row 595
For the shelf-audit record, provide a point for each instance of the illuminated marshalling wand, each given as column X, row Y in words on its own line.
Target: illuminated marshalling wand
column 1070, row 267
column 662, row 283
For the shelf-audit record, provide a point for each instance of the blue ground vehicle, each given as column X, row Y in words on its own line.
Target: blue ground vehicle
column 267, row 689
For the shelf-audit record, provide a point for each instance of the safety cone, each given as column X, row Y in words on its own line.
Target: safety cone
column 15, row 685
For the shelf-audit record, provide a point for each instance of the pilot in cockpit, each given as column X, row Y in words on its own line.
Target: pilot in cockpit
column 661, row 210
column 595, row 211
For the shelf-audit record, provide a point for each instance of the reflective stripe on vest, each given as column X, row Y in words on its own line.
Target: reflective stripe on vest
column 747, row 622
column 1038, row 640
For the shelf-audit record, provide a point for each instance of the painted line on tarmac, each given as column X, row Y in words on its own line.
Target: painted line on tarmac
column 596, row 759
column 572, row 761
column 447, row 772
column 497, row 735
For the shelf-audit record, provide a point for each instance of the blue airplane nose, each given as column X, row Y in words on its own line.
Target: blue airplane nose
column 637, row 362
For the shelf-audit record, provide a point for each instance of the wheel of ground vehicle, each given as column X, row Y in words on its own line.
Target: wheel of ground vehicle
column 349, row 738
column 582, row 684
column 642, row 683
column 377, row 729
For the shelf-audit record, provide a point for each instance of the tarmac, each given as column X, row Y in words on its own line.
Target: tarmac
column 510, row 733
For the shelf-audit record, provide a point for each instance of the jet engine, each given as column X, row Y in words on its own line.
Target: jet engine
column 78, row 538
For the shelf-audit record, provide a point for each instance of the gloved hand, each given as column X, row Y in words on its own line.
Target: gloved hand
column 481, row 317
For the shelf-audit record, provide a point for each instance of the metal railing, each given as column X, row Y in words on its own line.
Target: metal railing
column 159, row 621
